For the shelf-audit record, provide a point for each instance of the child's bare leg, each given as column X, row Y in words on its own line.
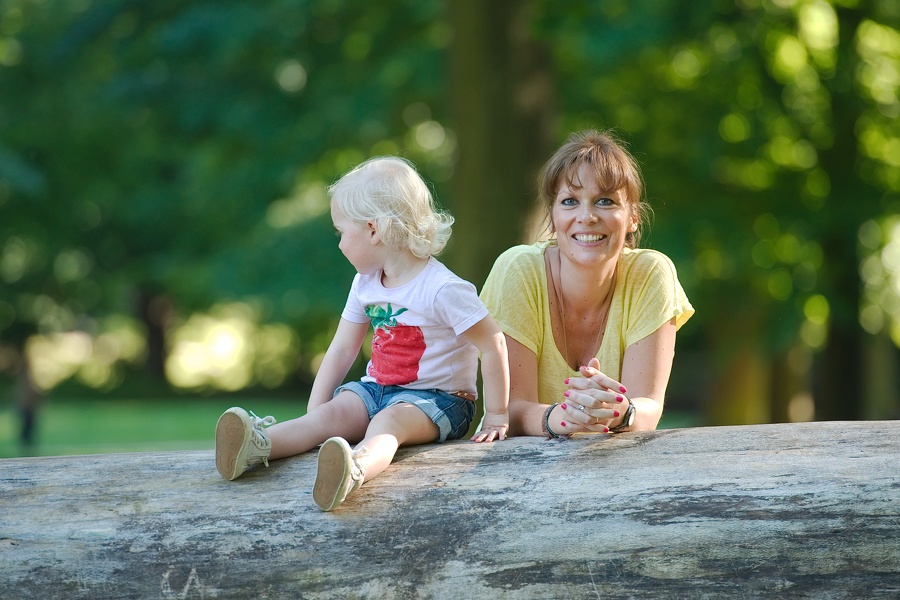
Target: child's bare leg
column 345, row 415
column 401, row 424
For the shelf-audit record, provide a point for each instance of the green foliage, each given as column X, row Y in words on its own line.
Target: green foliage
column 182, row 148
column 144, row 145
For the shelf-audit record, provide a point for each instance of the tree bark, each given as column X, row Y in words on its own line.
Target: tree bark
column 501, row 93
column 768, row 511
column 840, row 385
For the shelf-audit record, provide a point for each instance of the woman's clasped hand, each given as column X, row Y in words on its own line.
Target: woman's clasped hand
column 594, row 400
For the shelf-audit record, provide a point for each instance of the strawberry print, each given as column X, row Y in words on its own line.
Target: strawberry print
column 396, row 348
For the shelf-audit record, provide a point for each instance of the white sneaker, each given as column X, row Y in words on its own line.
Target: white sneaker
column 241, row 442
column 338, row 473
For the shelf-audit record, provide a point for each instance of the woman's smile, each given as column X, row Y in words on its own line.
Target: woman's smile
column 588, row 238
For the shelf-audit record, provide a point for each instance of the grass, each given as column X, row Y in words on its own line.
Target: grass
column 101, row 425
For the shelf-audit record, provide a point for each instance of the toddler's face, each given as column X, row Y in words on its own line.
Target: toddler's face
column 357, row 242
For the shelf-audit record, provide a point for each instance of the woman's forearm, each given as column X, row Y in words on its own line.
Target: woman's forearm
column 647, row 413
column 526, row 418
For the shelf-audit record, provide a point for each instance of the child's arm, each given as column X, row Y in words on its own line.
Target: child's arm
column 488, row 338
column 341, row 354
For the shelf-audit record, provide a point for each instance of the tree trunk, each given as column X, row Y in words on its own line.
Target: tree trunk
column 768, row 511
column 741, row 390
column 501, row 93
column 882, row 399
column 155, row 310
column 840, row 384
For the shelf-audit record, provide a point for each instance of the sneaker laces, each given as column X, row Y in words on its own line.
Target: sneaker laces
column 358, row 473
column 259, row 437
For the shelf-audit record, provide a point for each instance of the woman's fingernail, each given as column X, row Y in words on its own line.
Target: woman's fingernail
column 567, row 381
column 619, row 398
column 622, row 389
column 563, row 423
column 606, row 430
column 566, row 393
column 615, row 413
column 564, row 407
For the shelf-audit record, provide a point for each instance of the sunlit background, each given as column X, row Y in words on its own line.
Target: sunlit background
column 166, row 249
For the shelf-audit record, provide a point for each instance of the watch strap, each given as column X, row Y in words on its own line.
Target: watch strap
column 627, row 420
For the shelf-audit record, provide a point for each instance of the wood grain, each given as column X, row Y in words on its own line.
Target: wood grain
column 771, row 511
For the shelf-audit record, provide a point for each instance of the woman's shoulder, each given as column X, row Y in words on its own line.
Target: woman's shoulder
column 523, row 254
column 532, row 251
column 517, row 269
column 646, row 259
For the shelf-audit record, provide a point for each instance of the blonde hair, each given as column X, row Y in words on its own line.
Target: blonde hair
column 389, row 191
column 612, row 164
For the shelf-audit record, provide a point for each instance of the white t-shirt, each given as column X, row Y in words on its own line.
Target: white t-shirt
column 418, row 342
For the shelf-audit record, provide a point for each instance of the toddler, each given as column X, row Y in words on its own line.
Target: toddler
column 429, row 327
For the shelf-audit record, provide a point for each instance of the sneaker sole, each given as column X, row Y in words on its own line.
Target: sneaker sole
column 332, row 474
column 232, row 434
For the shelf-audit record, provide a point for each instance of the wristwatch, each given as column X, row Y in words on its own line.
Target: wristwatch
column 627, row 421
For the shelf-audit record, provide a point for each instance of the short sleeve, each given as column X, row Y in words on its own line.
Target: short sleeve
column 653, row 296
column 513, row 295
column 353, row 310
column 457, row 304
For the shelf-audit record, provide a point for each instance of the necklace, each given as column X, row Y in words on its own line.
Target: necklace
column 556, row 281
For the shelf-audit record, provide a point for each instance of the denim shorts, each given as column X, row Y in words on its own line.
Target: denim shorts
column 453, row 415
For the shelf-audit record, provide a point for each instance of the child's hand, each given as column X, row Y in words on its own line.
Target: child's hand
column 493, row 427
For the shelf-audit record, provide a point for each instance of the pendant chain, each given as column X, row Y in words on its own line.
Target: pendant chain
column 556, row 278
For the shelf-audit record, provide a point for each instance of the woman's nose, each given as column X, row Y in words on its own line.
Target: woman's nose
column 587, row 215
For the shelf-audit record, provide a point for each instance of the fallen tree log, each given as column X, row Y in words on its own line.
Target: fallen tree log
column 801, row 510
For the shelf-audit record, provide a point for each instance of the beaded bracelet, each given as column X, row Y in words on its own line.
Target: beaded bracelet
column 545, row 425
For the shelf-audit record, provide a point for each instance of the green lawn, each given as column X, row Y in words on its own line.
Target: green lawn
column 101, row 425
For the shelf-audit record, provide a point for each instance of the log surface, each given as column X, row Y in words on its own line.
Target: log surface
column 771, row 511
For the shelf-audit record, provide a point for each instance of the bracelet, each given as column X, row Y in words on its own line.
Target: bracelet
column 545, row 425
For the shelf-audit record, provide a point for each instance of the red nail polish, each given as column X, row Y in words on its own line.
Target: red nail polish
column 606, row 430
column 564, row 407
column 615, row 413
column 619, row 398
column 622, row 389
column 566, row 393
column 563, row 423
column 567, row 381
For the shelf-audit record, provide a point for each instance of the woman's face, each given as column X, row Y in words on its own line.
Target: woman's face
column 591, row 223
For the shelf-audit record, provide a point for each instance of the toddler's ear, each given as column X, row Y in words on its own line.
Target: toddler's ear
column 374, row 238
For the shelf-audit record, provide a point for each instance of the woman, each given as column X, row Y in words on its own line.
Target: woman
column 590, row 320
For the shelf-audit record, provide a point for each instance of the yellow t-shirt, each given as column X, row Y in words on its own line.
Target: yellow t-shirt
column 647, row 295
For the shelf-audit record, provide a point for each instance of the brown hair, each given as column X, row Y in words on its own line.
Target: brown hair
column 613, row 165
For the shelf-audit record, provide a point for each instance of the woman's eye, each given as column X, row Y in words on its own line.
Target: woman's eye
column 568, row 202
column 604, row 202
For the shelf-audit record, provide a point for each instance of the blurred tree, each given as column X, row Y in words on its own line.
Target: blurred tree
column 503, row 109
column 178, row 150
column 157, row 158
column 751, row 119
